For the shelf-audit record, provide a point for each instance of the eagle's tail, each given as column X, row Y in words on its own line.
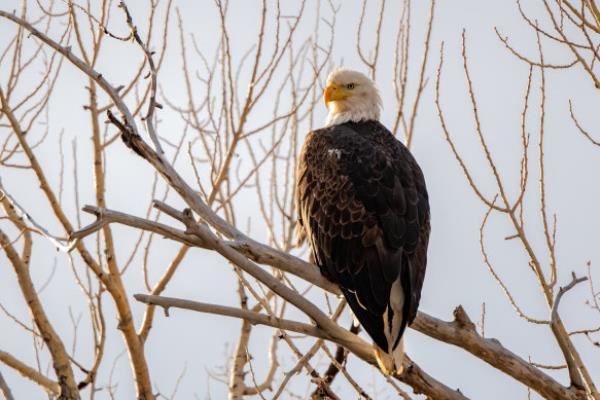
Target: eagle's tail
column 390, row 360
column 390, row 364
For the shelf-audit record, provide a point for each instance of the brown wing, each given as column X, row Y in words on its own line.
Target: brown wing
column 363, row 205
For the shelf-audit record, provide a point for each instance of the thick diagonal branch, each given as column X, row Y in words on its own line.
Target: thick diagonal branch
column 30, row 373
column 60, row 358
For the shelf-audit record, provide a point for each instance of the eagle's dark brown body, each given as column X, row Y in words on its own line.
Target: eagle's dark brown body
column 363, row 205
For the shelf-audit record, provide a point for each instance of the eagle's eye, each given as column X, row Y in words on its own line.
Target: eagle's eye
column 350, row 86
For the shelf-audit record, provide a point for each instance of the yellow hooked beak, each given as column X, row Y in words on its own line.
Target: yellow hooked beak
column 334, row 92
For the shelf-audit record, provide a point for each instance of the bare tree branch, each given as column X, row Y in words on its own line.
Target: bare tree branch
column 413, row 375
column 30, row 373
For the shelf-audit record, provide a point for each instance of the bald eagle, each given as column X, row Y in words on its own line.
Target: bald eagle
column 363, row 206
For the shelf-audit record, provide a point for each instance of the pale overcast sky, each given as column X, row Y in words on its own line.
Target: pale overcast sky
column 456, row 271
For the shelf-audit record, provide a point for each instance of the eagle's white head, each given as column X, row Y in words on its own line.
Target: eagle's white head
column 351, row 96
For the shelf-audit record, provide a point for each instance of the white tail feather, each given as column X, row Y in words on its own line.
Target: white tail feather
column 390, row 364
column 390, row 359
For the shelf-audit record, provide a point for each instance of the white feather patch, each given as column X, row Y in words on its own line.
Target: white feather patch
column 390, row 359
column 335, row 152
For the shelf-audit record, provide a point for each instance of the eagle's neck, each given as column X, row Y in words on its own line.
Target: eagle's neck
column 337, row 118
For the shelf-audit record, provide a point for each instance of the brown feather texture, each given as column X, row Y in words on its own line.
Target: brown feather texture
column 363, row 207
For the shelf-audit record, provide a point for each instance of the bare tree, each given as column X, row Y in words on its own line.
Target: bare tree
column 230, row 132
